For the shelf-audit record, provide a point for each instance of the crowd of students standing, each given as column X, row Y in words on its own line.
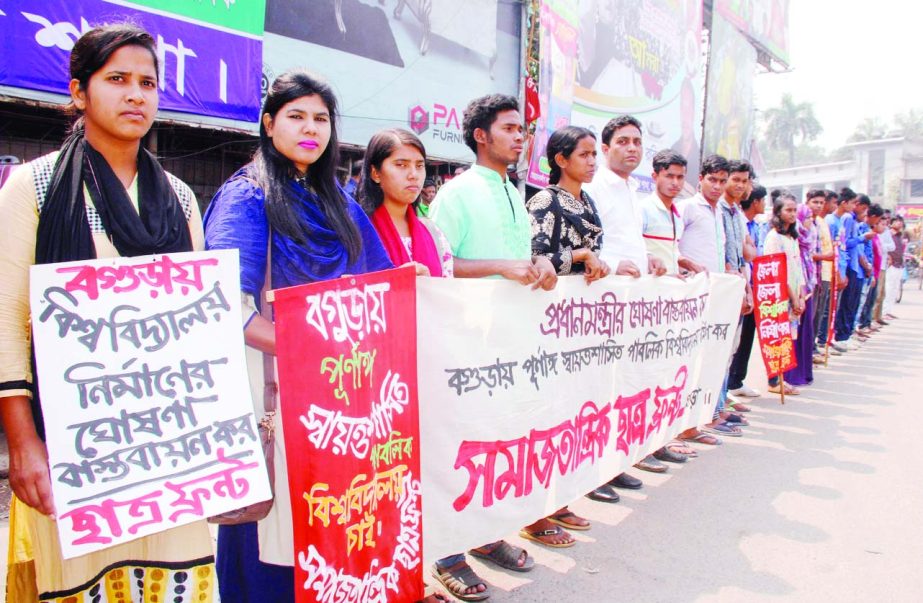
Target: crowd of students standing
column 103, row 195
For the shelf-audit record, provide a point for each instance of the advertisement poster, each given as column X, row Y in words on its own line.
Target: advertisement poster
column 558, row 67
column 531, row 399
column 400, row 64
column 644, row 59
column 346, row 350
column 764, row 21
column 729, row 110
column 773, row 326
column 209, row 53
column 145, row 395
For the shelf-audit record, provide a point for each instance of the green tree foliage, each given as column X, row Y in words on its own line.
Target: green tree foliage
column 909, row 124
column 788, row 122
column 870, row 128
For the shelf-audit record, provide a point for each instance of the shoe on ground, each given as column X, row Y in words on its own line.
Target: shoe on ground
column 649, row 463
column 852, row 345
column 745, row 391
column 835, row 352
column 839, row 346
column 623, row 480
column 882, row 322
column 890, row 317
column 818, row 359
column 605, row 494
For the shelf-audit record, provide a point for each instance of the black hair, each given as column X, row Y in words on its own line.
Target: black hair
column 864, row 199
column 94, row 49
column 846, row 195
column 875, row 210
column 758, row 193
column 617, row 123
column 816, row 192
column 381, row 146
column 482, row 113
column 830, row 195
column 273, row 170
column 429, row 182
column 356, row 168
column 775, row 194
column 564, row 141
column 665, row 158
column 713, row 164
column 898, row 218
column 778, row 203
column 740, row 165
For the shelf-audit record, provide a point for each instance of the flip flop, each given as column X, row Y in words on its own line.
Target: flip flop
column 558, row 518
column 505, row 555
column 723, row 429
column 704, row 438
column 687, row 450
column 538, row 535
column 458, row 579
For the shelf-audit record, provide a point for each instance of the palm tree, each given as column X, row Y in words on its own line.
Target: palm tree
column 788, row 121
column 869, row 128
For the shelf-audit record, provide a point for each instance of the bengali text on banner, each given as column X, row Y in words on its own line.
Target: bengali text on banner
column 531, row 399
column 146, row 403
column 347, row 376
column 771, row 313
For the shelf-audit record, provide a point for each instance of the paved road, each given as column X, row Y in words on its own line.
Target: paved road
column 821, row 501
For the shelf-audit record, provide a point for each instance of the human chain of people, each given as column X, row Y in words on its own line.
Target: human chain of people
column 590, row 327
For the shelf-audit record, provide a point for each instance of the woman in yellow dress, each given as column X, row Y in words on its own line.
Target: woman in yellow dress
column 101, row 195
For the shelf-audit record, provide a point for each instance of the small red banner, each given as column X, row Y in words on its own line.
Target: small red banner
column 348, row 384
column 771, row 312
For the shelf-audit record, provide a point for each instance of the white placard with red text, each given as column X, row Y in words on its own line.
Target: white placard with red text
column 530, row 399
column 147, row 407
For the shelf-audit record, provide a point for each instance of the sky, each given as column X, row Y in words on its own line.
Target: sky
column 852, row 60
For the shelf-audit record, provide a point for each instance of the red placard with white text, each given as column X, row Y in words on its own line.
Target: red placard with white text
column 773, row 327
column 348, row 383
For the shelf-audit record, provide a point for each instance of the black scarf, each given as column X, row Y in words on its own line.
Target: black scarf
column 64, row 234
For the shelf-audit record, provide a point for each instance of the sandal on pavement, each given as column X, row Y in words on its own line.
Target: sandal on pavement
column 723, row 429
column 458, row 579
column 568, row 519
column 736, row 420
column 740, row 407
column 668, row 456
column 789, row 390
column 538, row 535
column 703, row 438
column 679, row 447
column 439, row 598
column 651, row 463
column 505, row 555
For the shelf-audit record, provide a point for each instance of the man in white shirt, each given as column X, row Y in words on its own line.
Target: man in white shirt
column 615, row 193
column 661, row 223
column 703, row 240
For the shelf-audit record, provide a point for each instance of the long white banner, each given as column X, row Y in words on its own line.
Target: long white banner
column 530, row 399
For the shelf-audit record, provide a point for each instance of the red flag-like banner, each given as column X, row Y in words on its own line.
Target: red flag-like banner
column 347, row 372
column 771, row 312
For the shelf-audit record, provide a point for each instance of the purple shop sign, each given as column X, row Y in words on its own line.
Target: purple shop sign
column 204, row 71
